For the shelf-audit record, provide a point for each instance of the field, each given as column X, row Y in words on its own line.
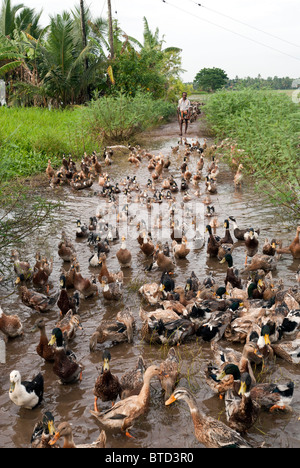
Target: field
column 262, row 130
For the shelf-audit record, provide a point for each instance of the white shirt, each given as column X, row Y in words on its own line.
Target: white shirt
column 184, row 105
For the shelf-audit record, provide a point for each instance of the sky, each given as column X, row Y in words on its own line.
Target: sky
column 243, row 37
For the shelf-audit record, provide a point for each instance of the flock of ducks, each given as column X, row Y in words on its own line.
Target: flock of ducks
column 250, row 306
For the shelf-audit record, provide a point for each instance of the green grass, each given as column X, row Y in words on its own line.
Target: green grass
column 30, row 136
column 266, row 125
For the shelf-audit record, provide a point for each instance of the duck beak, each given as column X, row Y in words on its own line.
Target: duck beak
column 258, row 353
column 267, row 339
column 52, row 341
column 12, row 387
column 55, row 438
column 171, row 400
column 221, row 376
column 223, row 260
column 51, row 428
column 18, row 281
column 243, row 388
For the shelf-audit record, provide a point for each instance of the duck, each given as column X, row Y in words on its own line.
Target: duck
column 107, row 386
column 124, row 413
column 124, row 255
column 152, row 292
column 211, row 186
column 241, row 410
column 214, row 328
column 198, row 241
column 238, row 178
column 240, row 233
column 41, row 271
column 262, row 262
column 86, row 287
column 119, row 330
column 69, row 325
column 210, row 432
column 289, row 351
column 169, row 376
column 133, row 380
column 269, row 248
column 167, row 281
column 26, row 394
column 271, row 396
column 82, row 231
column 37, row 301
column 232, row 275
column 213, row 243
column 49, row 170
column 227, row 239
column 147, row 246
column 65, row 430
column 180, row 251
column 65, row 364
column 228, row 364
column 105, row 273
column 293, row 248
column 10, row 325
column 43, row 431
column 165, row 327
column 43, row 349
column 22, row 269
column 163, row 262
column 66, row 249
column 251, row 243
column 66, row 302
column 111, row 291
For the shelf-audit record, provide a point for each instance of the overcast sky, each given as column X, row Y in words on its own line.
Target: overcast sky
column 207, row 37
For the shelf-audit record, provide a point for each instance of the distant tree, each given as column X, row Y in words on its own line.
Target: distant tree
column 211, row 79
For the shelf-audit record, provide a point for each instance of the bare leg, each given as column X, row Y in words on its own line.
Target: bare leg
column 95, row 405
column 186, row 126
column 180, row 126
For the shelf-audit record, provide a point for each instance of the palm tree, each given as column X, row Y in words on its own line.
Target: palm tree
column 8, row 17
column 18, row 18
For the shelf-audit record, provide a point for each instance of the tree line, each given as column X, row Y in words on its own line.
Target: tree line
column 58, row 65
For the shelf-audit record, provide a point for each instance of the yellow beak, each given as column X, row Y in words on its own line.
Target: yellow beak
column 51, row 428
column 243, row 388
column 267, row 339
column 52, row 341
column 12, row 387
column 171, row 400
column 55, row 438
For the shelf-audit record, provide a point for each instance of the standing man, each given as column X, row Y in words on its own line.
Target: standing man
column 184, row 112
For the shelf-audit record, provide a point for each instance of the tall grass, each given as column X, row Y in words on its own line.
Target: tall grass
column 118, row 118
column 266, row 126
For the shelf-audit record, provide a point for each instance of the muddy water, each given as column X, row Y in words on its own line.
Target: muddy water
column 161, row 427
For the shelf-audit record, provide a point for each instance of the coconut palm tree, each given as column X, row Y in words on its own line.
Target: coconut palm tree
column 20, row 18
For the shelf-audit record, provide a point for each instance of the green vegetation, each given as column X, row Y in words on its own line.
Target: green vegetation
column 266, row 126
column 30, row 136
column 117, row 118
column 210, row 79
column 70, row 59
column 261, row 83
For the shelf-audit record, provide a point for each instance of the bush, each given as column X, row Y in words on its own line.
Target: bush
column 118, row 118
